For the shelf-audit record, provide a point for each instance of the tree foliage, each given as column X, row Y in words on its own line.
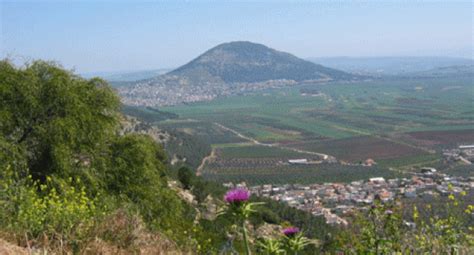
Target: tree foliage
column 52, row 120
column 185, row 176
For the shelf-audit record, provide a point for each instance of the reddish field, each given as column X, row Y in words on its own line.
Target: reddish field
column 356, row 149
column 449, row 137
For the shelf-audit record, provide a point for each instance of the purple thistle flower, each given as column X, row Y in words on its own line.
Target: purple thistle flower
column 236, row 196
column 389, row 212
column 291, row 231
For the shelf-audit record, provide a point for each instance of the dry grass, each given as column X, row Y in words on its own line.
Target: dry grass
column 120, row 233
column 7, row 248
column 124, row 233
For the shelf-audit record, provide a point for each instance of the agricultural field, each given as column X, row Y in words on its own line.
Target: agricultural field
column 360, row 148
column 256, row 152
column 341, row 110
column 303, row 174
column 206, row 131
column 400, row 124
column 440, row 139
column 256, row 164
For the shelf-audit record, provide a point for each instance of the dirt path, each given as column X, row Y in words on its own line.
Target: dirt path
column 205, row 160
column 254, row 141
column 212, row 156
column 243, row 136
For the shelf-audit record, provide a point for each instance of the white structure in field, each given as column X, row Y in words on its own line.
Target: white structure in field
column 298, row 161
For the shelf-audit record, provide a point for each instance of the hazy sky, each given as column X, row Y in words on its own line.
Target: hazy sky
column 111, row 35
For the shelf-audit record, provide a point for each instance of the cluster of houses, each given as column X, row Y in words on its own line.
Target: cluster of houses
column 334, row 201
column 170, row 91
column 173, row 89
column 464, row 154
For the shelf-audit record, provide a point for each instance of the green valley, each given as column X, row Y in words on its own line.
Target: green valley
column 352, row 121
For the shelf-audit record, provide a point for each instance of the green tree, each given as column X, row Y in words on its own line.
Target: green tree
column 185, row 176
column 52, row 120
column 137, row 173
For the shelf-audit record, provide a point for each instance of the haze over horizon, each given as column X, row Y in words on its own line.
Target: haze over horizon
column 108, row 36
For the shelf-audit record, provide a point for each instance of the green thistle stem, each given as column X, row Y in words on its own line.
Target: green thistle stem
column 246, row 241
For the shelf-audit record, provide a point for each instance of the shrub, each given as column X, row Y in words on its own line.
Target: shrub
column 57, row 212
column 384, row 230
column 451, row 233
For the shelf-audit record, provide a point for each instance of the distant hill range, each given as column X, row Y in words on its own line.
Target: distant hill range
column 229, row 68
column 127, row 76
column 381, row 66
column 447, row 71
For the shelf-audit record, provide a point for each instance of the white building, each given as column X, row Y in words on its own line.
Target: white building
column 298, row 161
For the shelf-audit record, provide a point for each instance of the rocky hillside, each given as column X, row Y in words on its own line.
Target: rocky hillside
column 229, row 68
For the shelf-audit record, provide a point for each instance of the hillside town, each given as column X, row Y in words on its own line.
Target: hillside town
column 334, row 201
column 172, row 90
